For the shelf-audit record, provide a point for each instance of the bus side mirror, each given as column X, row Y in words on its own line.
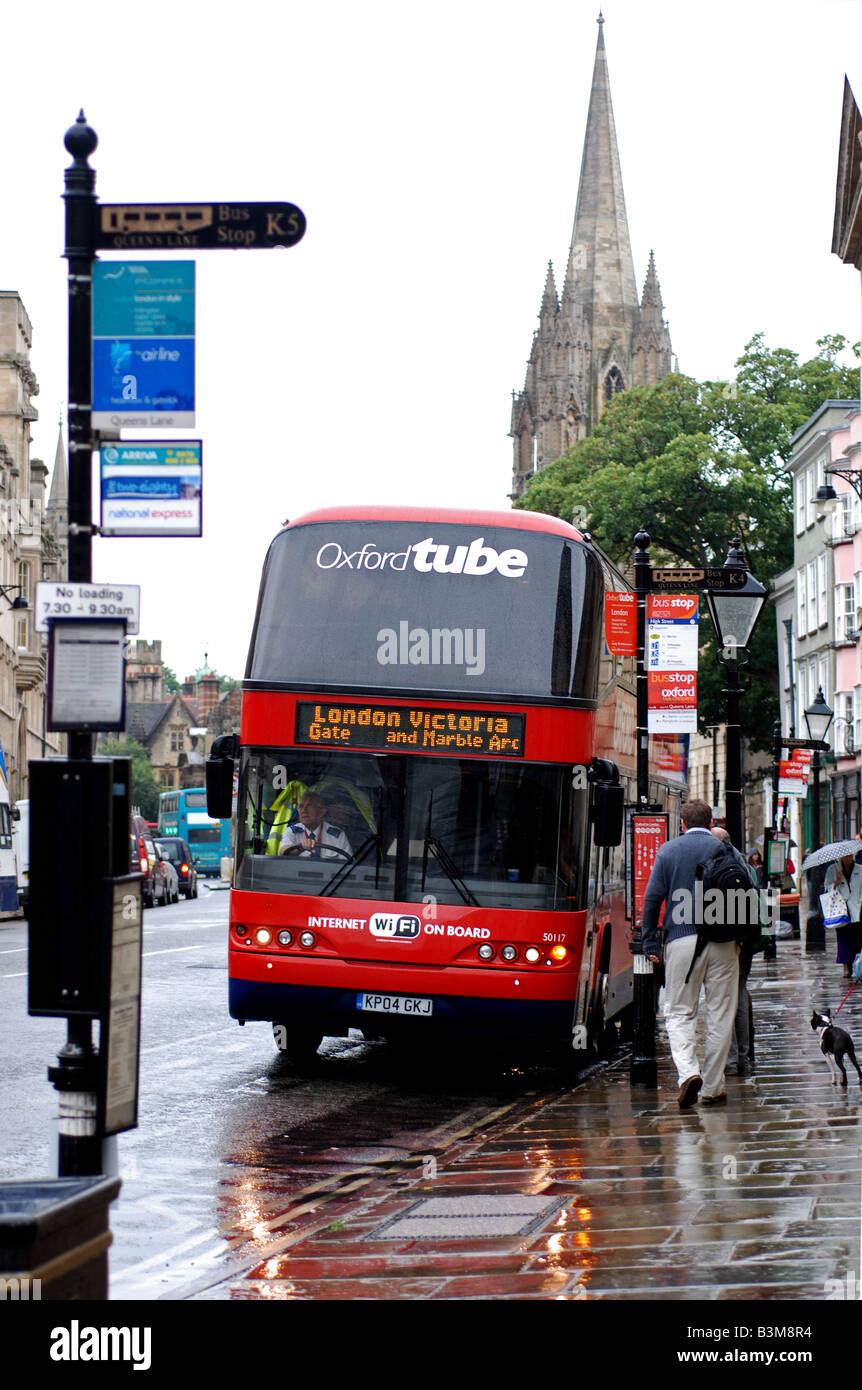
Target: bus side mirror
column 219, row 774
column 608, row 804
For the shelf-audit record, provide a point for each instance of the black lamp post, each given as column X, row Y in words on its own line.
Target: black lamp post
column 734, row 615
column 818, row 717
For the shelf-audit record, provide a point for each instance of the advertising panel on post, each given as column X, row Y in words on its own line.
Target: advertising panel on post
column 671, row 660
column 143, row 345
column 151, row 488
column 621, row 623
column 120, row 1031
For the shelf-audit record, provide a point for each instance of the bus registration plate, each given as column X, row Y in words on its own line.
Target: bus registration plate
column 394, row 1004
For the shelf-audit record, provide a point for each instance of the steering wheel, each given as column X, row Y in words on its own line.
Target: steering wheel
column 294, row 850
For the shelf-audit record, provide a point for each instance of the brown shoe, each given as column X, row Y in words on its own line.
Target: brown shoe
column 714, row 1100
column 688, row 1092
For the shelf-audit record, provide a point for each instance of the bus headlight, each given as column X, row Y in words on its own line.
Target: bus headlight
column 307, row 938
column 509, row 953
column 532, row 954
column 559, row 952
column 262, row 936
column 486, row 952
column 285, row 938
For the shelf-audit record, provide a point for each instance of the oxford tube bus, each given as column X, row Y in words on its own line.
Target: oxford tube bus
column 438, row 683
column 184, row 813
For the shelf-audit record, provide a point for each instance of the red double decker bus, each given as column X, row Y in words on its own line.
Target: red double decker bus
column 434, row 751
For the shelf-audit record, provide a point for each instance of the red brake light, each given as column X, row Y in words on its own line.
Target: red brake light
column 184, row 868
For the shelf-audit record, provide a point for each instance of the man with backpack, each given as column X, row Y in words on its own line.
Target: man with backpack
column 700, row 949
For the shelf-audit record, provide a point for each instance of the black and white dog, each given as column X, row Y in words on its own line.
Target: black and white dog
column 835, row 1045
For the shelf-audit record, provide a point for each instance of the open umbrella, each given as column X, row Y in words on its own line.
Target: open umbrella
column 827, row 854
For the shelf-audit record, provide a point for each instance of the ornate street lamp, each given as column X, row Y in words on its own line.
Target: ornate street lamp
column 818, row 717
column 734, row 615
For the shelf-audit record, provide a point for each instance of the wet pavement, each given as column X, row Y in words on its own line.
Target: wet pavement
column 599, row 1192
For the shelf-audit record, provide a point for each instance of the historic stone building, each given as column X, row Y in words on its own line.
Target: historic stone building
column 33, row 532
column 597, row 338
column 176, row 729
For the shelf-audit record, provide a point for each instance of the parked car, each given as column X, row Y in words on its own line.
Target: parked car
column 145, row 861
column 177, row 851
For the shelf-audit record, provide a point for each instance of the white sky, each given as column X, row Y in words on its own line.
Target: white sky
column 436, row 153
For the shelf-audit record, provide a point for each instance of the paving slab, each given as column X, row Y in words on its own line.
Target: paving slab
column 606, row 1192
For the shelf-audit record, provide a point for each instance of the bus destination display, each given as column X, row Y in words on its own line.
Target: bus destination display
column 412, row 727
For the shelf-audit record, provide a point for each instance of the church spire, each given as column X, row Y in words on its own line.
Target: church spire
column 600, row 273
column 652, row 354
column 651, row 297
column 597, row 338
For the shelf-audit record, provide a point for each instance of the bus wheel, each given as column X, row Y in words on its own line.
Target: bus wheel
column 601, row 1035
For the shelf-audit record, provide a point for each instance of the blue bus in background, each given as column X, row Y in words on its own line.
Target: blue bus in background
column 8, row 870
column 184, row 813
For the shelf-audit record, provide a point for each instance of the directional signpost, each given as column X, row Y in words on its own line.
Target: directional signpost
column 131, row 364
column 198, row 226
column 712, row 577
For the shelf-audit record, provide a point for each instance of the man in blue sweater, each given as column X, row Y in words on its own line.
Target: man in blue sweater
column 672, row 882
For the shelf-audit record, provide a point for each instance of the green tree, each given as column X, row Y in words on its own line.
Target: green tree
column 171, row 681
column 145, row 789
column 697, row 463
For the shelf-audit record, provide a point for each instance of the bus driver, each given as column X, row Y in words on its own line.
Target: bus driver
column 311, row 837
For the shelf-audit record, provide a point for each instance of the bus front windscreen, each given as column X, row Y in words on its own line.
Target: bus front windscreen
column 430, row 606
column 410, row 829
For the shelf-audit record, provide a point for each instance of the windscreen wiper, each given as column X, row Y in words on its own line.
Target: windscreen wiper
column 449, row 867
column 343, row 870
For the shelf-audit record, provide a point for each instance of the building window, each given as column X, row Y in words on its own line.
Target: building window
column 801, row 618
column 800, row 504
column 811, row 586
column 822, row 605
column 845, row 613
column 24, row 579
column 177, row 741
column 613, row 383
column 22, row 633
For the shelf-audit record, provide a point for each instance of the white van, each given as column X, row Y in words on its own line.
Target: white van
column 21, row 846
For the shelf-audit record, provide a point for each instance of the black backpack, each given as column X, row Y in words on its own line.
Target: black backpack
column 720, row 913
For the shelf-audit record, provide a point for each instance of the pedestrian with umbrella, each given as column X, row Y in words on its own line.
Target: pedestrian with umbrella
column 844, row 877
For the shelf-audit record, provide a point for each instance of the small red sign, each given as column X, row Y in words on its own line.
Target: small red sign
column 672, row 689
column 648, row 835
column 621, row 623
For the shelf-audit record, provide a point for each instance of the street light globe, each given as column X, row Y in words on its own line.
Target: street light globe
column 735, row 612
column 818, row 717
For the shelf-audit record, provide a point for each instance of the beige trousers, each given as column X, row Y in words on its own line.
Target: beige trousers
column 717, row 970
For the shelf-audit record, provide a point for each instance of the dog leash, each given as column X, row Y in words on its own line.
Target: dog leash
column 847, row 996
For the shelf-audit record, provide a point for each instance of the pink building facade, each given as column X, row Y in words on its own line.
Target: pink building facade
column 845, row 535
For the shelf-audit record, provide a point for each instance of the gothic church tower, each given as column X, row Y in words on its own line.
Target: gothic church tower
column 597, row 339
